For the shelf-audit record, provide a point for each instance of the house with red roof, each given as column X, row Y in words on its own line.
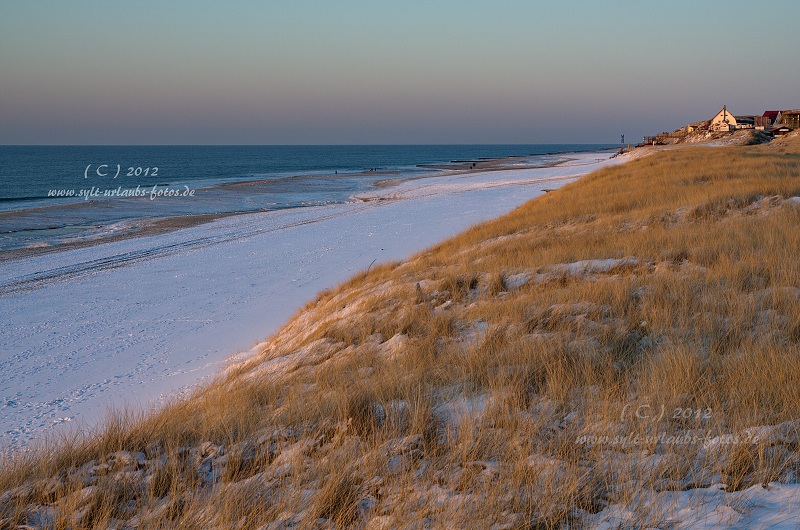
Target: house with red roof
column 772, row 117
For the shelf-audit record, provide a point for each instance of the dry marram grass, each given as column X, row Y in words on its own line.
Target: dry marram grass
column 526, row 373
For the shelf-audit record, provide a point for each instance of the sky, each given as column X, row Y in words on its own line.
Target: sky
column 379, row 72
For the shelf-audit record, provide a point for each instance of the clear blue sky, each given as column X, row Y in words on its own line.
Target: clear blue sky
column 319, row 71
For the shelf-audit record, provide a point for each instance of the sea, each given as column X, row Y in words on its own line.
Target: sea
column 51, row 195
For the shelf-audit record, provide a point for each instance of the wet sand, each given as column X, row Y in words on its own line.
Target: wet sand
column 148, row 227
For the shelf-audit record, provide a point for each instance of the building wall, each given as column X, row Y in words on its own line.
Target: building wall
column 790, row 119
column 762, row 121
column 721, row 116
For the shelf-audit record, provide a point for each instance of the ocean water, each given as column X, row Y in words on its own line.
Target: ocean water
column 50, row 195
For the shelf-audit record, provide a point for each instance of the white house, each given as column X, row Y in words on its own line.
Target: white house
column 723, row 121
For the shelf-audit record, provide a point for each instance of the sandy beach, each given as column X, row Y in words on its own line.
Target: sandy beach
column 128, row 323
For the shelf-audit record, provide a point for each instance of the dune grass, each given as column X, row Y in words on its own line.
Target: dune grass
column 500, row 377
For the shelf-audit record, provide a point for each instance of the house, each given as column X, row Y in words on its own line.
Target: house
column 745, row 122
column 771, row 117
column 789, row 118
column 697, row 126
column 723, row 121
column 780, row 130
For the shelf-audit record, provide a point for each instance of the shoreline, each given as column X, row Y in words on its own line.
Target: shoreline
column 150, row 226
column 135, row 319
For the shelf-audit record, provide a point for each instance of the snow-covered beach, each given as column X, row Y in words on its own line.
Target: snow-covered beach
column 128, row 323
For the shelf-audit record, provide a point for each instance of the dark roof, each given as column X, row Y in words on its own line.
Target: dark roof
column 771, row 114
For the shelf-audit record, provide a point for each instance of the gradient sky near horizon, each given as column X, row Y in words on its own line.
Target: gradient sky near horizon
column 377, row 72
